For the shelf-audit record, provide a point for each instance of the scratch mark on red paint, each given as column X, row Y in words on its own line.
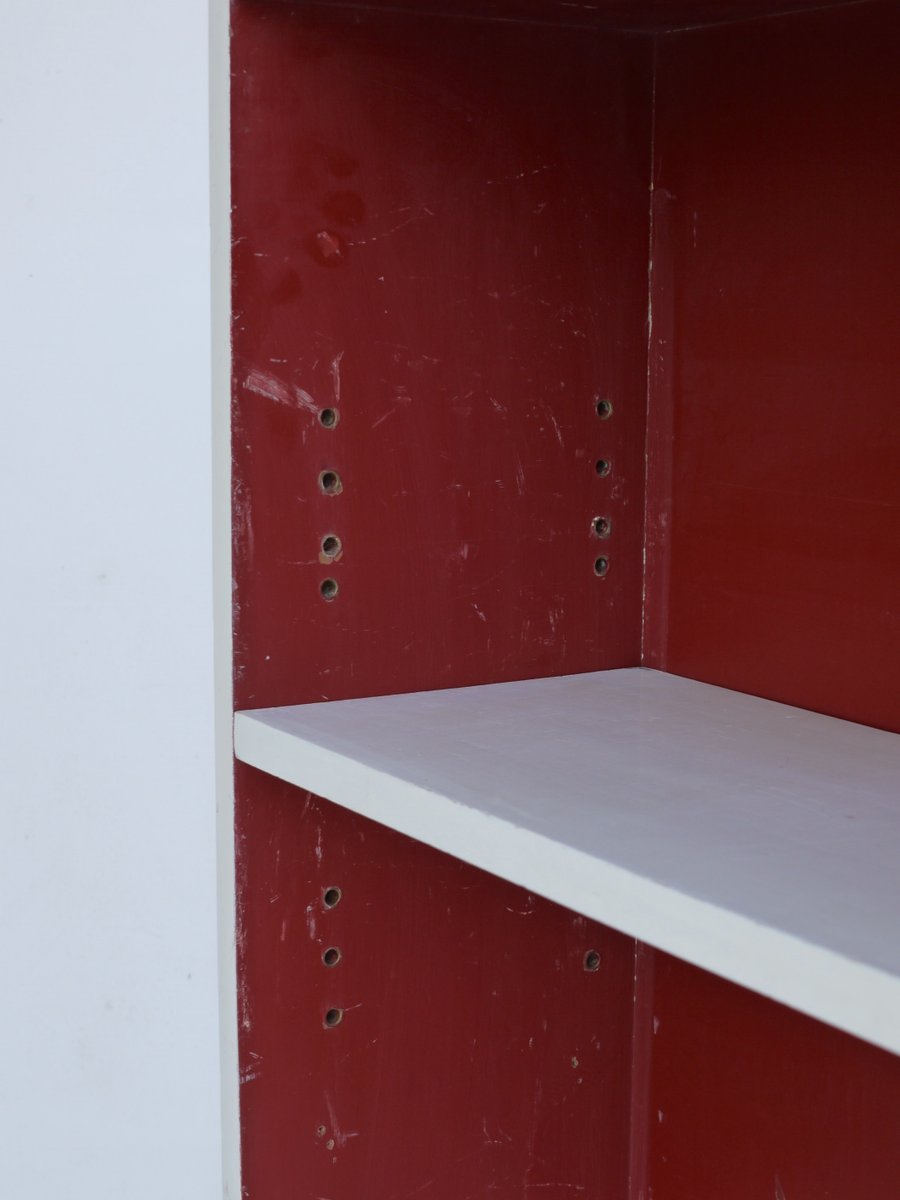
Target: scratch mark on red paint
column 377, row 237
column 339, row 1136
column 270, row 387
column 520, row 175
column 243, row 519
column 336, row 376
column 305, row 400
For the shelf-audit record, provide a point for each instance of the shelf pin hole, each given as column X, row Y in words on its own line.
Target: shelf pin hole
column 330, row 483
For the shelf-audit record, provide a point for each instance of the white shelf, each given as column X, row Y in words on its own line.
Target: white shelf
column 753, row 839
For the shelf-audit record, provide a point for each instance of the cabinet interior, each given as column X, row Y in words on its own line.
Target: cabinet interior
column 563, row 340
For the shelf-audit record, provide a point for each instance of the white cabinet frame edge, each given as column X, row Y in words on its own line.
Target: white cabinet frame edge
column 220, row 231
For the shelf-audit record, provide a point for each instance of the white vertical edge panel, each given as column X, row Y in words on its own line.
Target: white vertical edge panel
column 220, row 240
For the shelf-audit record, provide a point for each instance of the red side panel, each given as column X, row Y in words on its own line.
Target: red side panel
column 774, row 531
column 440, row 233
column 753, row 1101
column 777, row 361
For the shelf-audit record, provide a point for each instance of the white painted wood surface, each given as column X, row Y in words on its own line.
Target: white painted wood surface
column 220, row 262
column 756, row 840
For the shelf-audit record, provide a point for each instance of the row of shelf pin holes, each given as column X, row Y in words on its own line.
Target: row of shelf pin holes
column 330, row 484
column 331, row 956
column 602, row 526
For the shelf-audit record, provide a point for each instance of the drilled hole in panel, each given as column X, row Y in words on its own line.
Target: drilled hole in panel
column 329, row 417
column 603, row 466
column 331, row 545
column 330, row 483
column 331, row 896
column 604, row 409
column 331, row 957
column 601, row 526
column 592, row 960
column 601, row 566
column 328, row 588
column 333, row 1017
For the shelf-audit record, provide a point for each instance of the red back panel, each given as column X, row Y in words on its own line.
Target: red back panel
column 440, row 230
column 775, row 528
column 440, row 233
column 776, row 538
column 476, row 1055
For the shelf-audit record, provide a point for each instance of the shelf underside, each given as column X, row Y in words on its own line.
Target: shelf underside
column 753, row 839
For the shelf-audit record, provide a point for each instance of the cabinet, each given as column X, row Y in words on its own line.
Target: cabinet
column 558, row 577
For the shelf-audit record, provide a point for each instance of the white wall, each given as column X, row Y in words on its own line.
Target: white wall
column 108, row 1026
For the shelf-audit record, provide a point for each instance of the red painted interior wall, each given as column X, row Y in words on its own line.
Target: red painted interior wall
column 441, row 232
column 774, row 526
column 416, row 215
column 775, row 504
